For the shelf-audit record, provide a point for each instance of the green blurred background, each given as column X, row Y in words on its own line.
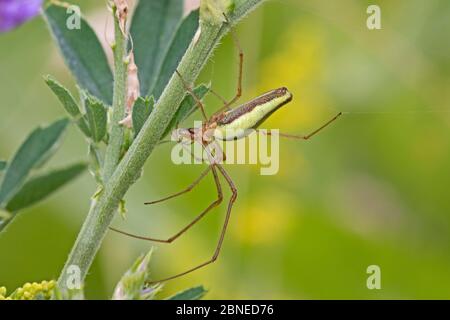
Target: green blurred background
column 372, row 189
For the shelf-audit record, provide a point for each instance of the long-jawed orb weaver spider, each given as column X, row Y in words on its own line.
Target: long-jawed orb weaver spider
column 241, row 118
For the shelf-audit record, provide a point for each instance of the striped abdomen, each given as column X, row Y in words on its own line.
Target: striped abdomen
column 250, row 115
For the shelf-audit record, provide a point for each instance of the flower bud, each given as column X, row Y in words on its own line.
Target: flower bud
column 212, row 11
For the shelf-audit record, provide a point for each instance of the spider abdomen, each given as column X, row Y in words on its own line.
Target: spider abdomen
column 236, row 123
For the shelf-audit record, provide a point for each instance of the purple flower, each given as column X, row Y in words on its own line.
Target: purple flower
column 15, row 12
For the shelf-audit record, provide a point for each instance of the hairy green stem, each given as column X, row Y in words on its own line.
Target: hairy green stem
column 118, row 108
column 104, row 208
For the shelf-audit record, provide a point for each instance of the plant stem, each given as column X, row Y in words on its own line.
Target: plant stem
column 104, row 208
column 118, row 108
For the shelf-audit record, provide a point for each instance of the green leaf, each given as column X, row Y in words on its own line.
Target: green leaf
column 187, row 107
column 68, row 102
column 97, row 118
column 141, row 111
column 3, row 165
column 36, row 149
column 38, row 188
column 195, row 293
column 152, row 29
column 82, row 52
column 183, row 37
column 5, row 219
column 64, row 96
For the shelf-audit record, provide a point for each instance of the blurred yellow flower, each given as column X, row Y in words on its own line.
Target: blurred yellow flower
column 298, row 66
column 266, row 219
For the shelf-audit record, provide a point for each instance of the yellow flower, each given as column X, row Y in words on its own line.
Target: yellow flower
column 297, row 65
column 265, row 220
column 31, row 291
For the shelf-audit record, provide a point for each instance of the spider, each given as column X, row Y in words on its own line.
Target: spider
column 239, row 121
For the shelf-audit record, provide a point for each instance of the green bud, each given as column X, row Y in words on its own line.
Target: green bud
column 132, row 284
column 122, row 209
column 212, row 11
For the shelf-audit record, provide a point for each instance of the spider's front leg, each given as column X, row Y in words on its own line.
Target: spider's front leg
column 192, row 93
column 228, row 104
column 304, row 137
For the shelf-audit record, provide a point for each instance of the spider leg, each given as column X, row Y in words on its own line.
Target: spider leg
column 191, row 224
column 189, row 188
column 222, row 233
column 192, row 93
column 304, row 137
column 240, row 70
